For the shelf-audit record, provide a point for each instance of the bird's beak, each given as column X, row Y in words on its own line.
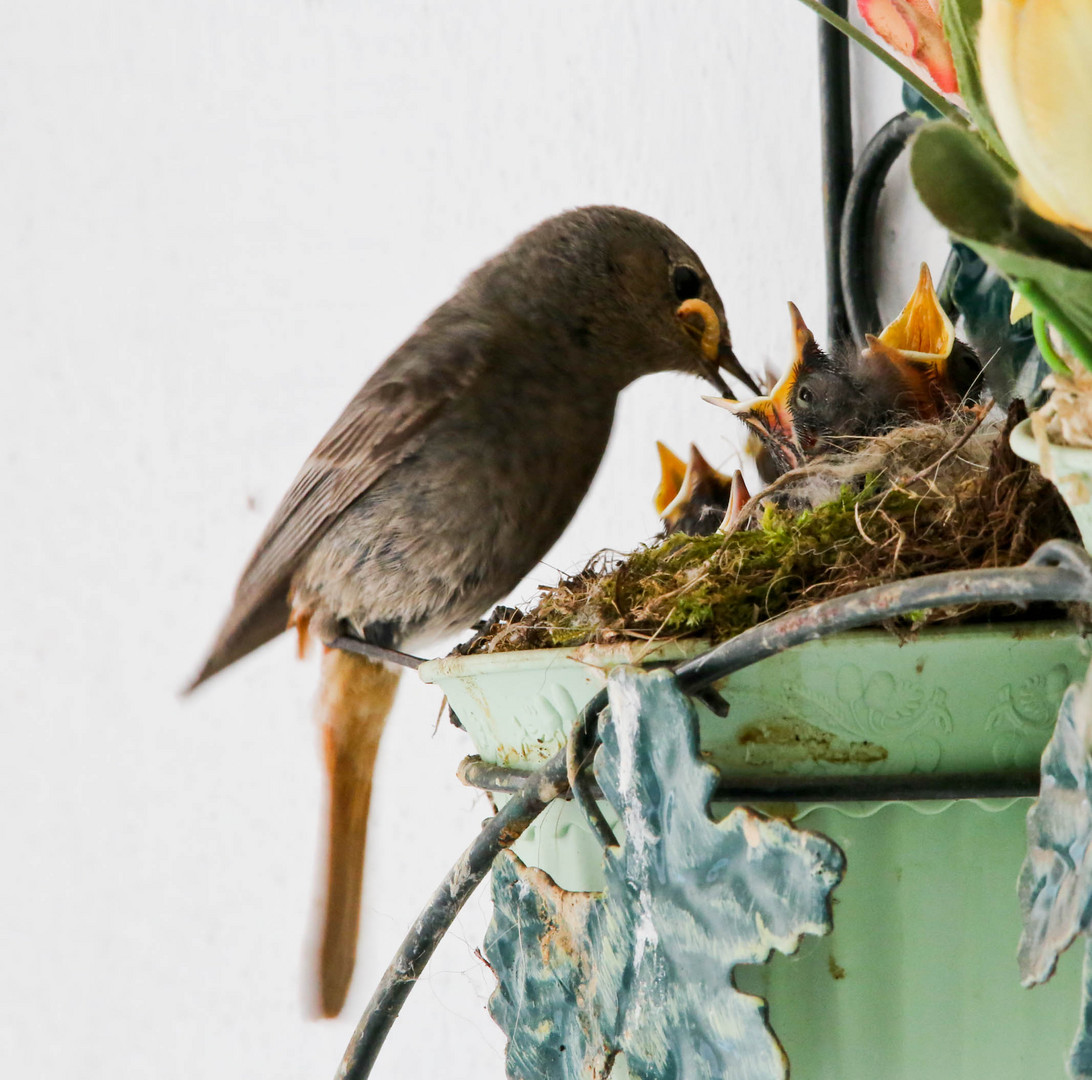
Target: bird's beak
column 700, row 321
column 770, row 417
column 672, row 471
column 727, row 360
column 700, row 480
column 940, row 371
column 769, row 420
column 737, row 499
column 918, row 343
column 922, row 330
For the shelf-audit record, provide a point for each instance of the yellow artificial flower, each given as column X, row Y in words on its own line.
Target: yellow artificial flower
column 1036, row 63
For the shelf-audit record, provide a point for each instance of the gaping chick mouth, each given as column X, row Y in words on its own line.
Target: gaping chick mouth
column 687, row 487
column 772, row 423
column 770, row 417
column 939, row 372
column 922, row 330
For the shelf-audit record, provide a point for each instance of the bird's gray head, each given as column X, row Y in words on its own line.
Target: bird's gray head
column 619, row 286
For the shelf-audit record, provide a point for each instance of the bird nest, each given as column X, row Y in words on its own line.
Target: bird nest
column 917, row 500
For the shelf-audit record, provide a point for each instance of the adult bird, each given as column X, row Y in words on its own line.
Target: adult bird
column 453, row 471
column 916, row 370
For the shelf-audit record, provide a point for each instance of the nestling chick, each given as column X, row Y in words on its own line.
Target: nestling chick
column 694, row 498
column 453, row 471
column 916, row 370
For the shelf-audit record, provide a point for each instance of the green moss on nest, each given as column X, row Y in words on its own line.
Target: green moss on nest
column 716, row 586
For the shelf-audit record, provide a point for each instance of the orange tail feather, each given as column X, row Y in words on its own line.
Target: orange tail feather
column 355, row 698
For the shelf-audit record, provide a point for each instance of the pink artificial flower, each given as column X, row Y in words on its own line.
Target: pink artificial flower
column 913, row 28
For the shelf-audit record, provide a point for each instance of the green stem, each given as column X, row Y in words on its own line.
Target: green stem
column 1046, row 348
column 934, row 97
column 1046, row 310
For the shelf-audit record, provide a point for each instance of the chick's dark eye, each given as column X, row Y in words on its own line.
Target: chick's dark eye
column 686, row 282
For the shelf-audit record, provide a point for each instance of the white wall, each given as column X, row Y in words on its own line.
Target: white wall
column 215, row 220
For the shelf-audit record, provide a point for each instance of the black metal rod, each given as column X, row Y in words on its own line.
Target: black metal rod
column 499, row 832
column 837, row 146
column 580, row 753
column 857, row 259
column 376, row 652
column 735, row 788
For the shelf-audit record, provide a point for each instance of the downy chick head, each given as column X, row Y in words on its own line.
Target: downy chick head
column 806, row 405
column 916, row 370
column 695, row 498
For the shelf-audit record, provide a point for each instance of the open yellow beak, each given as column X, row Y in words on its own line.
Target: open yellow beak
column 698, row 479
column 672, row 471
column 922, row 330
column 770, row 417
column 769, row 420
column 737, row 499
column 939, row 371
column 701, row 485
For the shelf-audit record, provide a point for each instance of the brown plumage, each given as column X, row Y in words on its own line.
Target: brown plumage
column 356, row 696
column 455, row 468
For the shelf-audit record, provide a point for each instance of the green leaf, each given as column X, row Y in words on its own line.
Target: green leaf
column 972, row 194
column 960, row 19
column 967, row 189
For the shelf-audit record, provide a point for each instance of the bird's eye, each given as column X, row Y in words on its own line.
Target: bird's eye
column 805, row 395
column 686, row 282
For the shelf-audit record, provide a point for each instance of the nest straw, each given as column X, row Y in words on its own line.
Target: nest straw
column 915, row 501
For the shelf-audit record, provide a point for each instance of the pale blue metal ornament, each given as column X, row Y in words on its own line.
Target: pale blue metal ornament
column 1055, row 885
column 644, row 968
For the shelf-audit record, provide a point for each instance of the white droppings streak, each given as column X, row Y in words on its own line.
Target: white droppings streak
column 624, row 710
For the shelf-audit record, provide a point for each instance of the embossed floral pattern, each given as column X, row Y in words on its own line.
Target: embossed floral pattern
column 876, row 706
column 1031, row 705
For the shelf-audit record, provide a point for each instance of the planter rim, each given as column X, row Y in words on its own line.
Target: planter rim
column 1024, row 445
column 622, row 652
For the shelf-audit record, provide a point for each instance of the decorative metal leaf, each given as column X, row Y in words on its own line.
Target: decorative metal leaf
column 537, row 946
column 984, row 299
column 1056, row 879
column 645, row 967
column 1080, row 1056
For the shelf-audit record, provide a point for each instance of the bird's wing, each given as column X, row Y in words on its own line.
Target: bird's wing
column 385, row 421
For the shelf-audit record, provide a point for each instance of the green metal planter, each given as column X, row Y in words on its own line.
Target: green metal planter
column 919, row 977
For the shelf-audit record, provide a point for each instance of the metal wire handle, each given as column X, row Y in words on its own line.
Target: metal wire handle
column 857, row 248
